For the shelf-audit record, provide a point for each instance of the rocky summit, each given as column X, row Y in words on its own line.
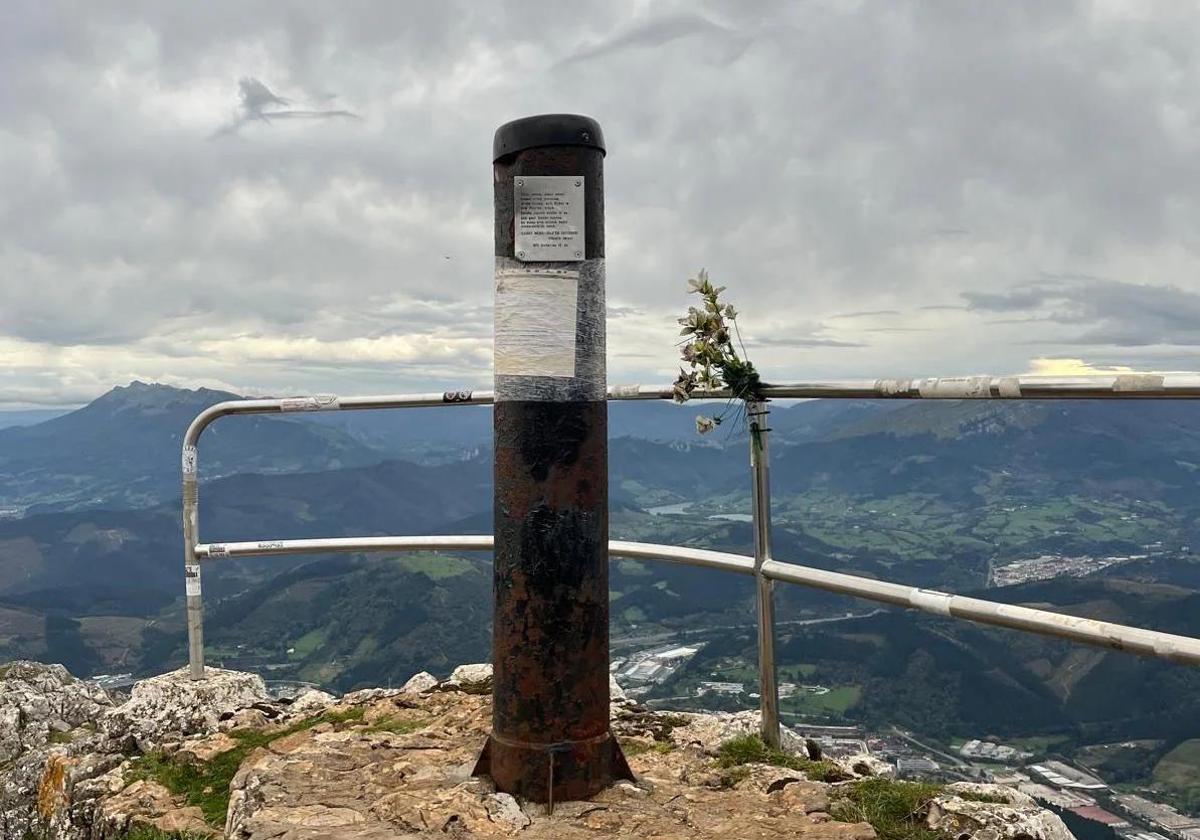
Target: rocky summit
column 221, row 758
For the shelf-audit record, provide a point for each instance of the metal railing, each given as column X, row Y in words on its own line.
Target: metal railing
column 762, row 566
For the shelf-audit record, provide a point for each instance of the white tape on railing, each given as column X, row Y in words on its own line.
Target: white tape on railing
column 929, row 601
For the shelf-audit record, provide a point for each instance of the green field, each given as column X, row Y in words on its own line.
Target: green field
column 308, row 643
column 435, row 566
column 837, row 701
column 1180, row 768
column 1038, row 744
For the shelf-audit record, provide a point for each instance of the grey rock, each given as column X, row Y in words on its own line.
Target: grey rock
column 866, row 765
column 1009, row 795
column 504, row 811
column 173, row 704
column 954, row 816
column 473, row 679
column 419, row 683
column 311, row 702
column 36, row 699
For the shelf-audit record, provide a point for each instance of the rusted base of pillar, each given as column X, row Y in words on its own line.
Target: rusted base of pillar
column 552, row 773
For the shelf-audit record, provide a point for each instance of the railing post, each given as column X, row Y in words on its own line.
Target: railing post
column 757, row 413
column 550, row 738
column 191, row 566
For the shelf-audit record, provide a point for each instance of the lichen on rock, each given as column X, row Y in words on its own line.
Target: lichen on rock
column 37, row 699
column 1018, row 817
column 174, row 704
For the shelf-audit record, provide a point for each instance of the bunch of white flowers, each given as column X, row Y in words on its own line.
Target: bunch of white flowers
column 709, row 351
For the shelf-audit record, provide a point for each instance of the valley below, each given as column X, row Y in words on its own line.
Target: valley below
column 1083, row 507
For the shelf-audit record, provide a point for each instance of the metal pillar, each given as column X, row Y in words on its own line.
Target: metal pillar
column 757, row 412
column 191, row 566
column 550, row 736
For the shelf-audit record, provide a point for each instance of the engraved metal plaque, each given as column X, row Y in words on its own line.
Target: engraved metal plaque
column 548, row 219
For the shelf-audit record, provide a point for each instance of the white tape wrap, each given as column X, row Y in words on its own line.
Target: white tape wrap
column 956, row 388
column 625, row 392
column 1165, row 649
column 218, row 550
column 320, row 402
column 191, row 576
column 929, row 601
column 1138, row 382
column 1010, row 387
column 549, row 335
column 189, row 460
column 535, row 321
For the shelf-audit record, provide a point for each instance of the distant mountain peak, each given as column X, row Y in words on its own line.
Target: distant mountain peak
column 138, row 386
column 155, row 395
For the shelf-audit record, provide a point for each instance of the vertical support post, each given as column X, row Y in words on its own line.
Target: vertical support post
column 757, row 412
column 191, row 566
column 550, row 739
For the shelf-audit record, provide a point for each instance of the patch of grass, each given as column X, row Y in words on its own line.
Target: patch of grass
column 672, row 721
column 633, row 568
column 797, row 673
column 732, row 775
column 57, row 737
column 896, row 810
column 338, row 716
column 750, row 749
column 1037, row 744
column 972, row 796
column 836, row 701
column 396, row 726
column 206, row 785
column 146, row 832
column 309, row 642
column 635, row 746
column 435, row 566
column 1181, row 766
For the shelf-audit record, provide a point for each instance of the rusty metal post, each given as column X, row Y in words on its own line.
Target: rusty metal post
column 550, row 736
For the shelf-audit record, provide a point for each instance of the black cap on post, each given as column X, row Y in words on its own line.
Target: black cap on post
column 546, row 130
column 550, row 736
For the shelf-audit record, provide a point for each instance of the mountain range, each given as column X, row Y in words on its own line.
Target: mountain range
column 934, row 494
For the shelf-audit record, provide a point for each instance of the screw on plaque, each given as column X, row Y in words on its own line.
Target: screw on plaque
column 520, row 183
column 579, row 253
column 578, row 183
column 520, row 254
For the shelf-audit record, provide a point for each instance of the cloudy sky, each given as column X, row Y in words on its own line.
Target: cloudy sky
column 890, row 188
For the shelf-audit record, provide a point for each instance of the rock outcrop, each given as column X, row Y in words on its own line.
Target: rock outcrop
column 40, row 703
column 473, row 679
column 48, row 729
column 174, row 704
column 993, row 812
column 221, row 759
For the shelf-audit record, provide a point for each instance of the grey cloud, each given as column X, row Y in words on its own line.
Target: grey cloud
column 259, row 104
column 622, row 311
column 1022, row 299
column 1131, row 315
column 819, row 158
column 1107, row 312
column 726, row 43
column 868, row 313
column 786, row 341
